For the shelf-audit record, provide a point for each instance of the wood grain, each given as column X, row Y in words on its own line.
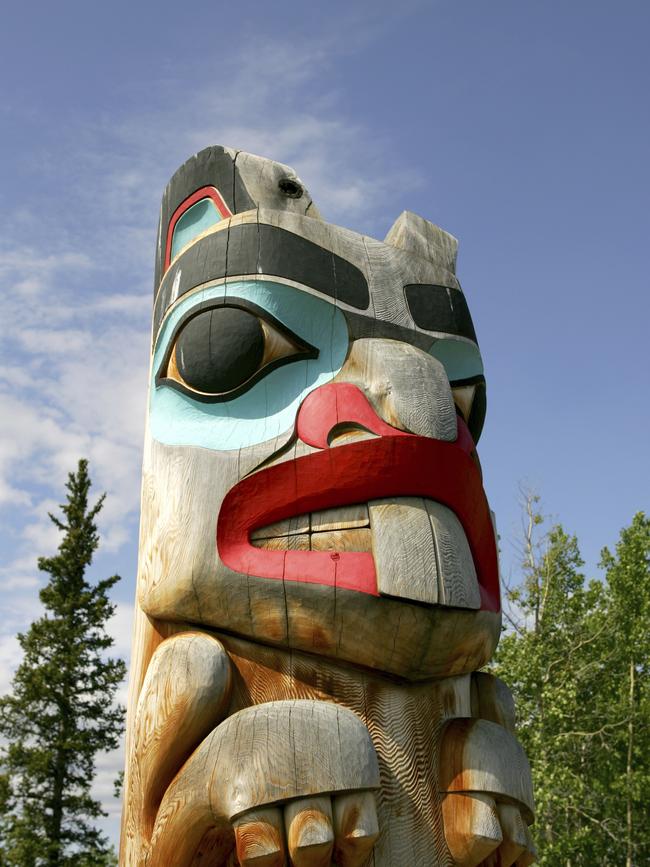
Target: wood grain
column 407, row 387
column 515, row 835
column 341, row 518
column 263, row 756
column 282, row 720
column 185, row 693
column 457, row 579
column 386, row 267
column 472, row 828
column 403, row 548
column 481, row 756
column 418, row 236
column 262, row 176
column 492, row 700
column 310, row 836
column 289, row 527
column 359, row 539
column 181, row 580
column 259, row 838
column 294, row 542
column 356, row 828
column 404, row 721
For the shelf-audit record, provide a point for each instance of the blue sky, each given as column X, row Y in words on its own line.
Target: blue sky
column 520, row 127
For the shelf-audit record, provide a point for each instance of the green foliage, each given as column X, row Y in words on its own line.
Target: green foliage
column 576, row 659
column 61, row 712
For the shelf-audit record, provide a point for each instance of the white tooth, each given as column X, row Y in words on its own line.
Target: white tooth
column 464, row 398
column 403, row 548
column 341, row 518
column 458, row 584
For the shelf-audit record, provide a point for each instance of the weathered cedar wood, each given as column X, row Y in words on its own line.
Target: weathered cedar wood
column 279, row 722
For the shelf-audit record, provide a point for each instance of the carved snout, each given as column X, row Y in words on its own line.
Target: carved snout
column 407, row 388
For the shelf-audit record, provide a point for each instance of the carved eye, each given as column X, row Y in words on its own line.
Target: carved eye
column 220, row 352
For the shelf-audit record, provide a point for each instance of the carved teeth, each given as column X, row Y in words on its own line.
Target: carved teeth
column 420, row 549
column 340, row 529
column 288, row 527
column 343, row 518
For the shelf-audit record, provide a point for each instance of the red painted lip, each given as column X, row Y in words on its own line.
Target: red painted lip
column 389, row 466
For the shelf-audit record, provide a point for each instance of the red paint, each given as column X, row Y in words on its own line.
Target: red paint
column 204, row 193
column 394, row 465
column 334, row 404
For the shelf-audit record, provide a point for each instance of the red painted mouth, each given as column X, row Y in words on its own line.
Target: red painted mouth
column 389, row 466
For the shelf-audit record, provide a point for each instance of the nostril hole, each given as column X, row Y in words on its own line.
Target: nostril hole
column 290, row 188
column 346, row 432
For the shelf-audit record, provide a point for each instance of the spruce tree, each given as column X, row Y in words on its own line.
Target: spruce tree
column 61, row 712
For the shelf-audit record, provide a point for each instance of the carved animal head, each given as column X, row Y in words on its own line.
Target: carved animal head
column 310, row 474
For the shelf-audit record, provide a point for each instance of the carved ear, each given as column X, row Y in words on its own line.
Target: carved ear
column 417, row 235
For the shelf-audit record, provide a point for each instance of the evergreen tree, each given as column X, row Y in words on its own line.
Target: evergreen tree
column 61, row 712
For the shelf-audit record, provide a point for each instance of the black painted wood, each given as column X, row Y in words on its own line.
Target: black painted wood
column 261, row 249
column 220, row 349
column 210, row 167
column 439, row 308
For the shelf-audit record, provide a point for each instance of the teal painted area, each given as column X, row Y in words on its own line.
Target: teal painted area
column 269, row 408
column 460, row 359
column 195, row 220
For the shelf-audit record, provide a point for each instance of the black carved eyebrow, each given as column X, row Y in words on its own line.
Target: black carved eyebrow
column 254, row 248
column 439, row 308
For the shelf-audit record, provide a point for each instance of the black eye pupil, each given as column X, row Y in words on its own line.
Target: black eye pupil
column 220, row 349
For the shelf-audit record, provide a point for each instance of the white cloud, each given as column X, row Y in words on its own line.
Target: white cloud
column 10, row 655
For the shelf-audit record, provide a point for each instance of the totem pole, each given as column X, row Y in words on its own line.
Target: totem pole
column 318, row 580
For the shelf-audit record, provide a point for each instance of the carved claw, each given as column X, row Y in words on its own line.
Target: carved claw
column 488, row 800
column 264, row 773
column 310, row 835
column 355, row 827
column 259, row 838
column 339, row 829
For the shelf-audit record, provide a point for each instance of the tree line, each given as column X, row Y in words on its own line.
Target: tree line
column 576, row 654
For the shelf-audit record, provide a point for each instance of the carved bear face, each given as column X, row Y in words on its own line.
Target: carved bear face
column 310, row 477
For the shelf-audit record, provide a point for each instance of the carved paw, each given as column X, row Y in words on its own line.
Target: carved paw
column 486, row 781
column 289, row 778
column 481, row 830
column 313, row 832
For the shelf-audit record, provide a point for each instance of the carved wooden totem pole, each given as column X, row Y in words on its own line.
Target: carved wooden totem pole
column 318, row 579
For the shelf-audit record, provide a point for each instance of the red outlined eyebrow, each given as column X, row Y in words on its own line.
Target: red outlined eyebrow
column 209, row 192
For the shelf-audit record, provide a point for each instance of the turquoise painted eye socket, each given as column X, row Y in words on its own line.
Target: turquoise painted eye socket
column 220, row 351
column 305, row 345
column 199, row 217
